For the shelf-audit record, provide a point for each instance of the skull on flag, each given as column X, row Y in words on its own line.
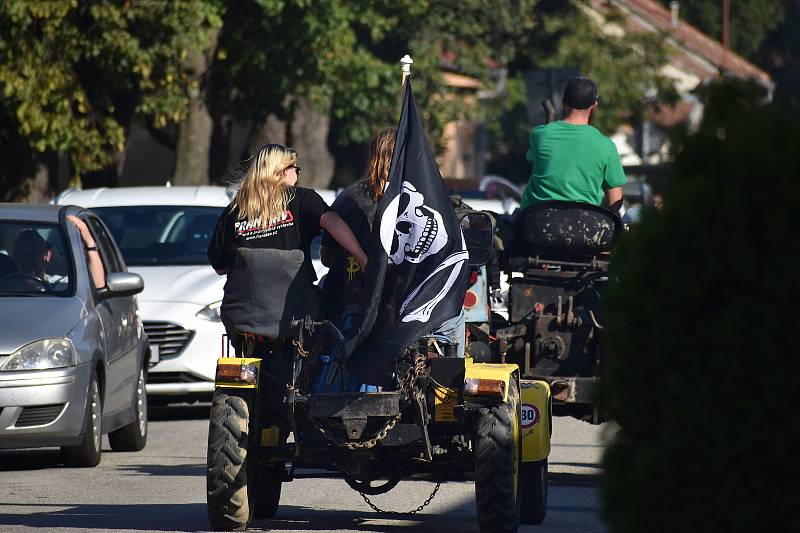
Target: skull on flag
column 418, row 230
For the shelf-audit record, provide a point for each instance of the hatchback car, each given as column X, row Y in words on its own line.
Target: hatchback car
column 73, row 358
column 164, row 233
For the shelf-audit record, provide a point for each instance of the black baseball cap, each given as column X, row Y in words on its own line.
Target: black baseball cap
column 580, row 93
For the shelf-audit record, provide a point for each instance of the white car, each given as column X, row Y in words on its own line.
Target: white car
column 163, row 233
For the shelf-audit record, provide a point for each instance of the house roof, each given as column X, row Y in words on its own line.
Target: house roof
column 693, row 50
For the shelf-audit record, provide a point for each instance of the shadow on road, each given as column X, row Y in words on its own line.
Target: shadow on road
column 193, row 517
column 30, row 459
column 588, row 476
column 299, row 518
column 150, row 517
column 195, row 411
column 165, row 470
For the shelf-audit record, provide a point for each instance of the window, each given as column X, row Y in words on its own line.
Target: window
column 161, row 234
column 34, row 259
column 111, row 262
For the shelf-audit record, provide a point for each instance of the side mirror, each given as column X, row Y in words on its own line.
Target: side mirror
column 478, row 229
column 123, row 284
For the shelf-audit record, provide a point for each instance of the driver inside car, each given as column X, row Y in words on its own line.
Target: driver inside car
column 33, row 256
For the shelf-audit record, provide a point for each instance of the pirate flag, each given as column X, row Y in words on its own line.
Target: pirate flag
column 417, row 273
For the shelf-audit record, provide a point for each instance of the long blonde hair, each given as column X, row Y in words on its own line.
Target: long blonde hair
column 380, row 160
column 263, row 195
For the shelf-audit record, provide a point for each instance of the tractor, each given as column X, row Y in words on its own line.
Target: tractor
column 273, row 413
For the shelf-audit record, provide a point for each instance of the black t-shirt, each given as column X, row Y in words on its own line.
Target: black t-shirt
column 344, row 279
column 293, row 230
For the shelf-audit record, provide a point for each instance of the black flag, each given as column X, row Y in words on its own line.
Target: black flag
column 416, row 237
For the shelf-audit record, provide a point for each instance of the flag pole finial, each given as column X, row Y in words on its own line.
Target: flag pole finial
column 406, row 62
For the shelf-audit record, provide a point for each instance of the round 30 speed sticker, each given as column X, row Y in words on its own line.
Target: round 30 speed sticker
column 530, row 415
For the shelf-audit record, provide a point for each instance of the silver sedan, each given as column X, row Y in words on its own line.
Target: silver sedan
column 73, row 353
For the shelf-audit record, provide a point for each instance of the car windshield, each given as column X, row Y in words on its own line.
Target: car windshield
column 161, row 234
column 34, row 260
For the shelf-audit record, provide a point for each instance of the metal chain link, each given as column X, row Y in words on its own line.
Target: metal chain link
column 406, row 383
column 300, row 350
column 396, row 513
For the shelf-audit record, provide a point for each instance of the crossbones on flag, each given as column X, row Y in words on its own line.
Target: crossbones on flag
column 417, row 237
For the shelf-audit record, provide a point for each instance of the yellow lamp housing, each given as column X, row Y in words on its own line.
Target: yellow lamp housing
column 487, row 382
column 237, row 372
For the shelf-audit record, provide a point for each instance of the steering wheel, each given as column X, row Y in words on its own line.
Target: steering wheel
column 22, row 277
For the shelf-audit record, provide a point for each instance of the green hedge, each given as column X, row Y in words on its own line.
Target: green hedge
column 702, row 331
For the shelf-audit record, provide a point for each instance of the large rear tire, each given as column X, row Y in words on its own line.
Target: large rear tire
column 268, row 481
column 498, row 454
column 89, row 451
column 133, row 437
column 229, row 502
column 533, row 492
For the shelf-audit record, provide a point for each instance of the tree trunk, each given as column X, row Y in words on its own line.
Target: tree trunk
column 194, row 133
column 306, row 130
column 308, row 135
column 38, row 182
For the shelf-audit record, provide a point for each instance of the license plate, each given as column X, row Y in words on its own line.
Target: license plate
column 155, row 354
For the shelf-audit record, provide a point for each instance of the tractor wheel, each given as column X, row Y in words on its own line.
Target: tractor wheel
column 498, row 455
column 533, row 492
column 268, row 481
column 229, row 502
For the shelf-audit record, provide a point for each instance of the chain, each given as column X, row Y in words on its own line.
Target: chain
column 406, row 383
column 300, row 350
column 396, row 513
column 364, row 445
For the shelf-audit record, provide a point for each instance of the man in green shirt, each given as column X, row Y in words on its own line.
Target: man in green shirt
column 572, row 160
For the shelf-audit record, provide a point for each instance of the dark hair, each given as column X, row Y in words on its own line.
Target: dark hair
column 580, row 93
column 380, row 159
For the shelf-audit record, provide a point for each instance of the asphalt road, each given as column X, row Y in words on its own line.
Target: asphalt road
column 163, row 489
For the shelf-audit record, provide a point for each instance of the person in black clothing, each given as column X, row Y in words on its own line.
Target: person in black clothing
column 270, row 211
column 356, row 205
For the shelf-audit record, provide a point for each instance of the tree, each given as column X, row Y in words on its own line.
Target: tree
column 342, row 59
column 73, row 76
column 626, row 67
column 750, row 21
column 700, row 376
column 780, row 56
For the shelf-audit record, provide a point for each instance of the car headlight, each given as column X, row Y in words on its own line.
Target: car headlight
column 41, row 355
column 210, row 312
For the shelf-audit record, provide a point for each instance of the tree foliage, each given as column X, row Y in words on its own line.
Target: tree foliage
column 701, row 377
column 625, row 65
column 750, row 20
column 74, row 73
column 347, row 55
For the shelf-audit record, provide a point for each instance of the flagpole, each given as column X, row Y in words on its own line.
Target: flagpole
column 406, row 62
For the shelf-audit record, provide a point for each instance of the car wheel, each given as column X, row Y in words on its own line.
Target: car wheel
column 133, row 437
column 89, row 451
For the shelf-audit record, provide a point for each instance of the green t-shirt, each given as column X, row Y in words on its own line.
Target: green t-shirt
column 571, row 162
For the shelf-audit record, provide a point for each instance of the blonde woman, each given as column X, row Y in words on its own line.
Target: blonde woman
column 271, row 211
